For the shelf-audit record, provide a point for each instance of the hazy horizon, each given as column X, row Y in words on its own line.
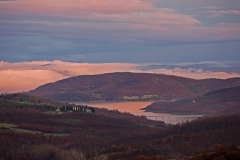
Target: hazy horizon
column 24, row 76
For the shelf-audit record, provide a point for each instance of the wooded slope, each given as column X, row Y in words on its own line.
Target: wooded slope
column 217, row 102
column 129, row 86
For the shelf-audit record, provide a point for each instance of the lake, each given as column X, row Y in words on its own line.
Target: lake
column 135, row 108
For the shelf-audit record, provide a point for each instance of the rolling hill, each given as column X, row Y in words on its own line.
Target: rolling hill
column 109, row 134
column 129, row 86
column 26, row 101
column 217, row 102
column 30, row 134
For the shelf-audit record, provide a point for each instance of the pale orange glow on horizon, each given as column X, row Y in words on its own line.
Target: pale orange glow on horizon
column 24, row 76
column 24, row 80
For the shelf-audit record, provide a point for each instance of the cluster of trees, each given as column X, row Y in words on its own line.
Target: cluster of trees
column 77, row 108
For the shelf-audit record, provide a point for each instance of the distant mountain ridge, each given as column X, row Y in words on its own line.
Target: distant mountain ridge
column 230, row 68
column 129, row 87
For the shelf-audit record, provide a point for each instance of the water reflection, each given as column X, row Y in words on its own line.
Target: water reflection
column 135, row 108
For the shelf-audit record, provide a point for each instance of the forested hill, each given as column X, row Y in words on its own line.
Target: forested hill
column 217, row 102
column 129, row 86
column 25, row 101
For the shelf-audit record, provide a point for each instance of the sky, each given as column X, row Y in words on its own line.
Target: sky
column 100, row 36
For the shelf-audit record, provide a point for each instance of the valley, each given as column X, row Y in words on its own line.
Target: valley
column 114, row 121
column 29, row 133
column 168, row 94
column 137, row 109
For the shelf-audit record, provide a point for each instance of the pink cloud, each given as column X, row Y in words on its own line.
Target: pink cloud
column 79, row 6
column 131, row 16
column 123, row 11
column 216, row 13
column 161, row 17
column 134, row 18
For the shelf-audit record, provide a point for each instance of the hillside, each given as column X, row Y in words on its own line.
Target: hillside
column 129, row 86
column 29, row 102
column 223, row 101
column 30, row 134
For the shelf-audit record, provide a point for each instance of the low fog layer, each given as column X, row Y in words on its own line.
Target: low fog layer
column 24, row 76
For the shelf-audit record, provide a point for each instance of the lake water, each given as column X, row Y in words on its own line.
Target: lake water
column 135, row 108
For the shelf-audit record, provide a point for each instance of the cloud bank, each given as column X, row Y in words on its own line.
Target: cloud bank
column 24, row 76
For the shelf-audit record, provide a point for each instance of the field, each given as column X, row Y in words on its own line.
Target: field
column 14, row 128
